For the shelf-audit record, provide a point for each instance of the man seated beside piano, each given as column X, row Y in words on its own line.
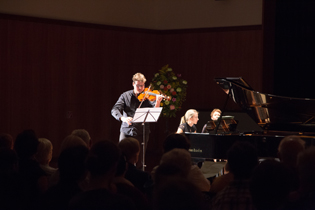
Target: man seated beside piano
column 214, row 115
column 227, row 123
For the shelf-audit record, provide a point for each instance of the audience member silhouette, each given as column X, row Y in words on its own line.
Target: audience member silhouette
column 33, row 178
column 68, row 142
column 270, row 185
column 220, row 182
column 288, row 151
column 242, row 159
column 121, row 171
column 10, row 192
column 44, row 155
column 304, row 197
column 101, row 194
column 175, row 163
column 125, row 187
column 142, row 180
column 72, row 171
column 289, row 148
column 178, row 194
column 180, row 141
column 175, row 140
column 84, row 135
column 72, row 140
column 6, row 140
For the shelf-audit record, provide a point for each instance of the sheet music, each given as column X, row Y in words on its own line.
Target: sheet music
column 147, row 115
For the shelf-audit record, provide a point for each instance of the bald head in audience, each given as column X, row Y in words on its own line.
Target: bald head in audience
column 174, row 163
column 84, row 135
column 289, row 148
column 71, row 141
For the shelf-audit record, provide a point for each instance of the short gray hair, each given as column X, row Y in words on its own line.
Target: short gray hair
column 83, row 134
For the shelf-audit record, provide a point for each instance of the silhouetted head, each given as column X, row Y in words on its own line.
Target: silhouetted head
column 242, row 158
column 6, row 140
column 289, row 148
column 176, row 140
column 178, row 194
column 8, row 162
column 44, row 151
column 84, row 135
column 71, row 163
column 306, row 163
column 103, row 158
column 121, row 166
column 174, row 163
column 26, row 144
column 71, row 141
column 270, row 185
column 130, row 148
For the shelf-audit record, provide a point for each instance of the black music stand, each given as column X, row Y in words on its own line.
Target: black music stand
column 218, row 123
column 144, row 115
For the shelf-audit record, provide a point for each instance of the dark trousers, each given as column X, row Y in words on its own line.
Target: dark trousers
column 140, row 162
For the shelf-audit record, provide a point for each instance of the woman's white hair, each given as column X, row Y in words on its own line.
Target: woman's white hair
column 44, row 148
column 189, row 114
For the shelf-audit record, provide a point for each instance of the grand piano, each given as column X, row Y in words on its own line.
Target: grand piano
column 276, row 117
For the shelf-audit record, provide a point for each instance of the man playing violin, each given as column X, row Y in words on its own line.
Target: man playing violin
column 125, row 109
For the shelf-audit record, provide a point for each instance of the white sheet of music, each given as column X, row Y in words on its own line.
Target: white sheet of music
column 151, row 115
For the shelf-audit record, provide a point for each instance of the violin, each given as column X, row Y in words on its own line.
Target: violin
column 150, row 95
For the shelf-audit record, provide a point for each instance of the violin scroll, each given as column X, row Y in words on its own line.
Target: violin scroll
column 168, row 98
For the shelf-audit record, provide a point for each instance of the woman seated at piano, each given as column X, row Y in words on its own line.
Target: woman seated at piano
column 215, row 114
column 188, row 122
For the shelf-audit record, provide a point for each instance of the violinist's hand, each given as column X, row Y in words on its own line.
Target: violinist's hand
column 126, row 119
column 159, row 98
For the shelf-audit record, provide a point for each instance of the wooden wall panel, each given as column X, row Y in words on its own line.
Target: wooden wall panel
column 200, row 57
column 4, row 77
column 59, row 76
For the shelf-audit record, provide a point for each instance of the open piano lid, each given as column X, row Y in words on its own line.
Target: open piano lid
column 271, row 112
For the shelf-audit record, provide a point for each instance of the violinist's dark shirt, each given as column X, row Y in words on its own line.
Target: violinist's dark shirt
column 126, row 106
